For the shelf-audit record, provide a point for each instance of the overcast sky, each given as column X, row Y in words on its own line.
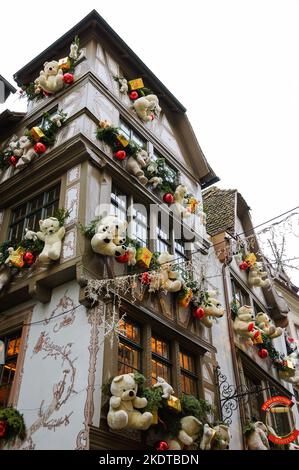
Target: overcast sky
column 234, row 64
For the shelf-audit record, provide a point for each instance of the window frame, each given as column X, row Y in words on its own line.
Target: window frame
column 157, row 357
column 188, row 373
column 136, row 346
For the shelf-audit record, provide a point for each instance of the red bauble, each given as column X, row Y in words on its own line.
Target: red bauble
column 3, row 427
column 256, row 334
column 145, row 279
column 123, row 258
column 263, row 353
column 13, row 160
column 120, row 155
column 198, row 313
column 243, row 266
column 168, row 198
column 29, row 258
column 161, row 446
column 133, row 95
column 250, row 326
column 40, row 148
column 68, row 78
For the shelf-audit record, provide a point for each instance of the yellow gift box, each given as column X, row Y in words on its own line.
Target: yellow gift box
column 258, row 339
column 124, row 142
column 136, row 84
column 15, row 258
column 144, row 257
column 64, row 64
column 192, row 204
column 155, row 417
column 37, row 133
column 185, row 297
column 174, row 403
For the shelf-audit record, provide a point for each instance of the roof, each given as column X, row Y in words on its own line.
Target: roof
column 220, row 208
column 93, row 25
column 8, row 87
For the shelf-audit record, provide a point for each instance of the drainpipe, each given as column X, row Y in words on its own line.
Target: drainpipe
column 232, row 346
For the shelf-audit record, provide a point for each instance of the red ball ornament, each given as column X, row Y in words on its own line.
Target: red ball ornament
column 161, row 446
column 13, row 160
column 29, row 258
column 40, row 148
column 120, row 155
column 168, row 198
column 145, row 279
column 68, row 78
column 198, row 313
column 243, row 266
column 250, row 326
column 123, row 258
column 133, row 95
column 263, row 353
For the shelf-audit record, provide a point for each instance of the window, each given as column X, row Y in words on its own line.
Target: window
column 188, row 374
column 8, row 369
column 140, row 224
column 161, row 365
column 170, row 174
column 131, row 135
column 129, row 348
column 255, row 400
column 163, row 241
column 28, row 215
column 180, row 251
column 119, row 203
column 240, row 294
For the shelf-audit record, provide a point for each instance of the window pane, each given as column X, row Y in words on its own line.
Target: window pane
column 188, row 385
column 160, row 370
column 160, row 347
column 36, row 203
column 187, row 362
column 130, row 330
column 7, row 370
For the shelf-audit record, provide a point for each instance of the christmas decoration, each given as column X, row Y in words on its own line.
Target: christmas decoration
column 136, row 84
column 39, row 148
column 68, row 78
column 263, row 353
column 145, row 278
column 174, row 403
column 125, row 404
column 123, row 258
column 20, row 151
column 12, row 425
column 143, row 257
column 120, row 155
column 198, row 313
column 123, row 84
column 244, row 322
column 147, row 107
column 29, row 258
column 133, row 95
column 263, row 322
column 256, row 436
column 210, row 306
column 109, row 236
column 15, row 257
column 244, row 266
column 161, row 446
column 180, row 204
column 167, row 389
column 185, row 297
column 55, row 75
column 166, row 277
column 137, row 163
column 168, row 198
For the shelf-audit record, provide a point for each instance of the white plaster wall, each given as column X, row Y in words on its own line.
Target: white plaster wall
column 57, row 349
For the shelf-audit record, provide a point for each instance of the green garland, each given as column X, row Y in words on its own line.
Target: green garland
column 29, row 89
column 110, row 136
column 49, row 129
column 15, row 425
column 169, row 176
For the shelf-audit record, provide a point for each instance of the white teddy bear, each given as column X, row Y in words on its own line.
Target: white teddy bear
column 109, row 239
column 212, row 309
column 123, row 403
column 51, row 234
column 244, row 322
column 263, row 323
column 179, row 205
column 188, row 434
column 123, row 85
column 136, row 164
column 51, row 78
column 256, row 275
column 28, row 152
column 166, row 279
column 257, row 439
column 147, row 107
column 74, row 49
column 219, row 432
column 166, row 387
column 14, row 146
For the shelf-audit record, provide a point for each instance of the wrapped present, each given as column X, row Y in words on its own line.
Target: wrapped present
column 192, row 205
column 289, row 367
column 37, row 133
column 258, row 339
column 124, row 142
column 64, row 64
column 185, row 297
column 155, row 417
column 174, row 403
column 250, row 259
column 15, row 257
column 136, row 84
column 144, row 257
